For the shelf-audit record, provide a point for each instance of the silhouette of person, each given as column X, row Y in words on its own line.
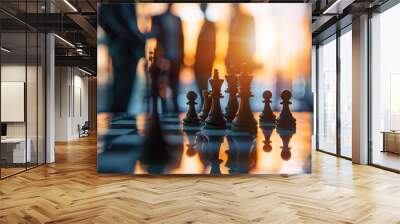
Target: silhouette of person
column 167, row 29
column 241, row 44
column 205, row 51
column 126, row 46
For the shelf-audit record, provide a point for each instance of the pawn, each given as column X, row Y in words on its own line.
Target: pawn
column 267, row 117
column 206, row 105
column 286, row 119
column 286, row 136
column 191, row 118
column 267, row 131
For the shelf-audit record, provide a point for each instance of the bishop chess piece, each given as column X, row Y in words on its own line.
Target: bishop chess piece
column 286, row 119
column 206, row 105
column 233, row 104
column 155, row 154
column 267, row 117
column 215, row 119
column 191, row 118
column 244, row 120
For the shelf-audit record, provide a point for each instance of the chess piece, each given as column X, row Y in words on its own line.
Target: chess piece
column 210, row 150
column 155, row 155
column 233, row 104
column 286, row 136
column 215, row 119
column 267, row 131
column 267, row 117
column 191, row 118
column 244, row 120
column 206, row 105
column 286, row 119
column 242, row 152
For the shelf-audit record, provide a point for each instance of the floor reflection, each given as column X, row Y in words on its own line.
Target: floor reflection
column 194, row 150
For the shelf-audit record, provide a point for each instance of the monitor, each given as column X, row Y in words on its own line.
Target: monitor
column 3, row 129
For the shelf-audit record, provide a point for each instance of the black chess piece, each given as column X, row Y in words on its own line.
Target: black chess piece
column 210, row 150
column 191, row 133
column 286, row 136
column 286, row 119
column 244, row 120
column 191, row 118
column 267, row 131
column 233, row 104
column 205, row 109
column 155, row 155
column 267, row 117
column 215, row 119
column 242, row 152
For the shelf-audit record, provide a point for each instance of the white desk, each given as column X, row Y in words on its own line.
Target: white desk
column 19, row 154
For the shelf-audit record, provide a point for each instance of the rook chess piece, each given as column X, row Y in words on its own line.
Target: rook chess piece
column 191, row 118
column 286, row 119
column 244, row 120
column 215, row 119
column 267, row 117
column 206, row 105
column 233, row 104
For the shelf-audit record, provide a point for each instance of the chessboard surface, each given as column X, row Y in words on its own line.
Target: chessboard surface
column 196, row 150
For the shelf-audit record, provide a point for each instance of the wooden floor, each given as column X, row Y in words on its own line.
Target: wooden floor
column 70, row 191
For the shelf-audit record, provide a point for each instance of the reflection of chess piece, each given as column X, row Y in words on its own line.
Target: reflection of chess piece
column 210, row 151
column 286, row 135
column 267, row 117
column 205, row 109
column 191, row 146
column 244, row 120
column 267, row 131
column 241, row 153
column 191, row 118
column 286, row 119
column 155, row 154
column 215, row 119
column 233, row 104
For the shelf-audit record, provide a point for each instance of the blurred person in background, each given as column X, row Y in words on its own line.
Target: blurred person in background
column 242, row 42
column 205, row 51
column 167, row 29
column 126, row 46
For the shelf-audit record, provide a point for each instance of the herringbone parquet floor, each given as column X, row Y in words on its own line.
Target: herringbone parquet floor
column 70, row 191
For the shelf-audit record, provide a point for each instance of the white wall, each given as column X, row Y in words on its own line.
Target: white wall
column 71, row 102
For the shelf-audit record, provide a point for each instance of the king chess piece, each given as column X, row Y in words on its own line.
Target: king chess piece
column 155, row 155
column 267, row 117
column 286, row 119
column 244, row 120
column 215, row 119
column 191, row 118
column 205, row 109
column 233, row 104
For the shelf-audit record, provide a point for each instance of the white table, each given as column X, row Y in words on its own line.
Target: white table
column 19, row 153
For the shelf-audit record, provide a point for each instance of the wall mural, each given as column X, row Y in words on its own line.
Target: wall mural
column 204, row 88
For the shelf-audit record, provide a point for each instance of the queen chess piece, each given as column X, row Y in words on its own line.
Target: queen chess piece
column 242, row 153
column 286, row 119
column 215, row 119
column 267, row 117
column 191, row 118
column 233, row 104
column 205, row 109
column 244, row 120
